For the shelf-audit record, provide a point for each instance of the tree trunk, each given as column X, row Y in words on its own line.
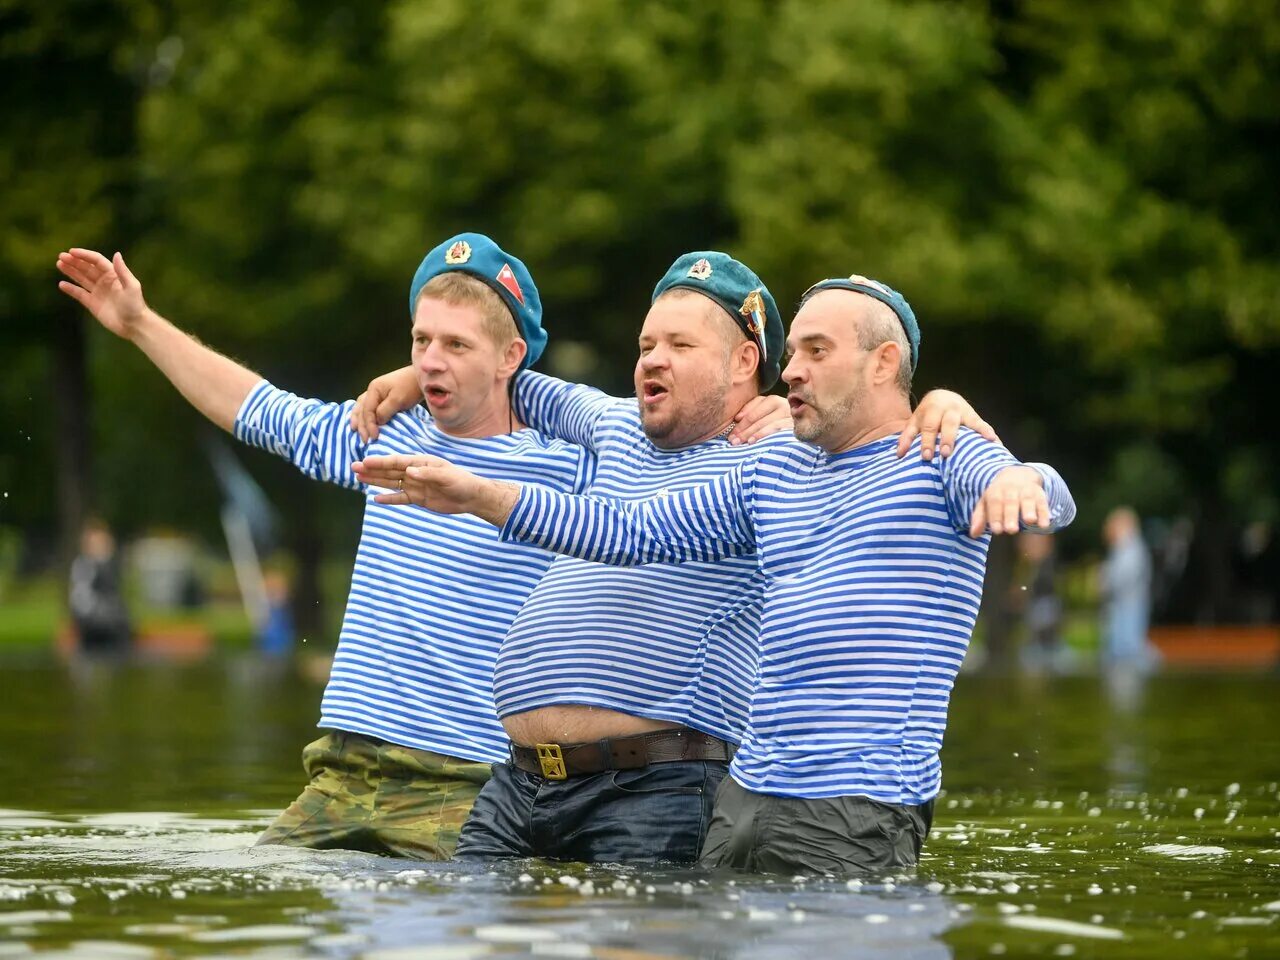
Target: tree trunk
column 70, row 385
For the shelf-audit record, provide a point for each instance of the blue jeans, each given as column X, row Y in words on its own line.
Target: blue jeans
column 654, row 813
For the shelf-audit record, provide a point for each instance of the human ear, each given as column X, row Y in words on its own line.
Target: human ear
column 512, row 357
column 888, row 359
column 744, row 362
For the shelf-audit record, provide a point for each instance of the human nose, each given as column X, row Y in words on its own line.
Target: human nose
column 430, row 358
column 655, row 358
column 793, row 372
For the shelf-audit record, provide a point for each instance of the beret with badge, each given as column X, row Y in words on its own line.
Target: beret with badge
column 476, row 254
column 886, row 295
column 742, row 294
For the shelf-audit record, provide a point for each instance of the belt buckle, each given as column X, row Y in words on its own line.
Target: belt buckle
column 551, row 759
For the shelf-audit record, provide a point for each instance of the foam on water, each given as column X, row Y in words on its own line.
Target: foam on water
column 1185, row 851
column 1066, row 927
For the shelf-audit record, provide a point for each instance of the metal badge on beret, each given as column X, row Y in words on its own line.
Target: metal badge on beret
column 873, row 284
column 460, row 252
column 700, row 270
column 753, row 311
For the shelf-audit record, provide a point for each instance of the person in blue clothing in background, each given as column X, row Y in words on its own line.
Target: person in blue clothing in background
column 275, row 636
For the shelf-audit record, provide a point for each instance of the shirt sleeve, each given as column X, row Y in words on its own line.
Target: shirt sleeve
column 704, row 523
column 565, row 411
column 972, row 467
column 316, row 437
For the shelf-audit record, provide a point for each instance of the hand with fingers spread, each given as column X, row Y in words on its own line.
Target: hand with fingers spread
column 438, row 485
column 1013, row 500
column 937, row 421
column 759, row 418
column 385, row 396
column 106, row 288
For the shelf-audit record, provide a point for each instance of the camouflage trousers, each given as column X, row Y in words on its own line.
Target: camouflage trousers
column 370, row 795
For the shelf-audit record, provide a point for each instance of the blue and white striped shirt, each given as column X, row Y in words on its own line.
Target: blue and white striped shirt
column 431, row 595
column 872, row 587
column 658, row 642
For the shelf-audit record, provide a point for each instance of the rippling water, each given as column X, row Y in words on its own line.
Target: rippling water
column 1081, row 818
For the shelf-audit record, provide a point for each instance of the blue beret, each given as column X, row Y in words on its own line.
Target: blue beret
column 735, row 287
column 476, row 254
column 886, row 295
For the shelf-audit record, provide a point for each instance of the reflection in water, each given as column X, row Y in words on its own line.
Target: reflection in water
column 1125, row 684
column 197, row 880
column 1145, row 825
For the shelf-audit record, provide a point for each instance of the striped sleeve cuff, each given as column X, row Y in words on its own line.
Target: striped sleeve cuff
column 519, row 525
column 252, row 421
column 1062, row 506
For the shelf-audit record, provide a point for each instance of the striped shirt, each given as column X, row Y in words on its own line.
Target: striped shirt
column 872, row 587
column 657, row 642
column 431, row 595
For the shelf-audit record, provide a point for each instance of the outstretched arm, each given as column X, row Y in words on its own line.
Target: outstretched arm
column 213, row 384
column 988, row 489
column 708, row 522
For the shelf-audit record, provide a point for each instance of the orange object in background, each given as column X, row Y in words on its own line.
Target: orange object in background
column 173, row 642
column 1249, row 647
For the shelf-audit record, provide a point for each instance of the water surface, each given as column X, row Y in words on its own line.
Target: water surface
column 1081, row 817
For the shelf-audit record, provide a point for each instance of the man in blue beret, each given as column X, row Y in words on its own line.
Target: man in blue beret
column 626, row 691
column 408, row 717
column 870, row 570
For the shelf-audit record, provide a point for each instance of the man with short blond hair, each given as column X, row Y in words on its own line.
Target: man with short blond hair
column 408, row 714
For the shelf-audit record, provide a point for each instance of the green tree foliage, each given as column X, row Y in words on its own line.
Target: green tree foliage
column 1078, row 206
column 67, row 155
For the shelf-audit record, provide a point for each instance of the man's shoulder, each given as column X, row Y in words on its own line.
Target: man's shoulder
column 621, row 415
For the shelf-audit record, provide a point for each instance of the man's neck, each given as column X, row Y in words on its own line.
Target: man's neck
column 721, row 430
column 737, row 398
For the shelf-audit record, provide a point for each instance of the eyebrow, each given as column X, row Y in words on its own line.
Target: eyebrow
column 807, row 339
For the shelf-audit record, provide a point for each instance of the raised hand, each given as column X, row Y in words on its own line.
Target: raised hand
column 106, row 288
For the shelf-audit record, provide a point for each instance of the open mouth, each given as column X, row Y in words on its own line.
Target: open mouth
column 796, row 404
column 436, row 395
column 651, row 391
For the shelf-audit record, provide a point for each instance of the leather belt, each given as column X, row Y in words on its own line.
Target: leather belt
column 559, row 761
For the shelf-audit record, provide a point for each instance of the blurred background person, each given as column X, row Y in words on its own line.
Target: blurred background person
column 1125, row 589
column 94, row 598
column 1041, row 606
column 275, row 635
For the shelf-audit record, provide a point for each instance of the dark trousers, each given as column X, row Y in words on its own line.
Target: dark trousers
column 655, row 813
column 838, row 835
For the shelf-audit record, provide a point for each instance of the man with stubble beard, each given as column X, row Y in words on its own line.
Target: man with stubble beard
column 626, row 691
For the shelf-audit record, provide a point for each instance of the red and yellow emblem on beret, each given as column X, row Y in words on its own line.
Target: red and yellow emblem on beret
column 507, row 277
column 460, row 252
column 701, row 270
column 753, row 312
